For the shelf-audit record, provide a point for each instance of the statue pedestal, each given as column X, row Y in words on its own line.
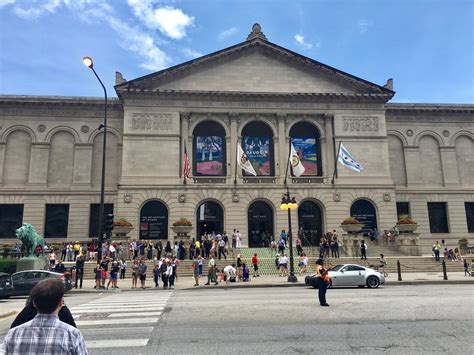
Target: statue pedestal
column 351, row 244
column 409, row 243
column 32, row 263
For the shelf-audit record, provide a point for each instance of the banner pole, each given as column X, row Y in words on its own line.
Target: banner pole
column 236, row 163
column 335, row 163
column 288, row 161
column 185, row 153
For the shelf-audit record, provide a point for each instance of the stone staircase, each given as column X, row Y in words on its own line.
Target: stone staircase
column 267, row 265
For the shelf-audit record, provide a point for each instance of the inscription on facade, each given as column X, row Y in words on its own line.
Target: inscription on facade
column 152, row 122
column 360, row 124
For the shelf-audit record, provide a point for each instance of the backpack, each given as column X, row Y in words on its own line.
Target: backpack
column 163, row 268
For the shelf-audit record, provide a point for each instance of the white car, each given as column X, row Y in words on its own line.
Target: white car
column 351, row 275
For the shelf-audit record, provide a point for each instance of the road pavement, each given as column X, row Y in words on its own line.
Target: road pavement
column 413, row 319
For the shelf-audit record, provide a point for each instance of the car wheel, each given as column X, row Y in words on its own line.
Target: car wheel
column 373, row 282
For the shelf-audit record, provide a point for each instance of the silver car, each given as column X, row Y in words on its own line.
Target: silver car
column 351, row 275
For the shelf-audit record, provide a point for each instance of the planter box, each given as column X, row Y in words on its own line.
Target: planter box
column 180, row 230
column 122, row 230
column 352, row 228
column 407, row 228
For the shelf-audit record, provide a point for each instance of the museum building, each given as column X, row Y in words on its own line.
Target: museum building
column 417, row 158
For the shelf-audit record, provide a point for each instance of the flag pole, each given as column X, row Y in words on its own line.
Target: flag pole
column 185, row 153
column 288, row 161
column 335, row 163
column 236, row 163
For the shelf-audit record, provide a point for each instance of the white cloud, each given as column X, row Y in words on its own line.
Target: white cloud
column 191, row 53
column 34, row 12
column 300, row 40
column 364, row 25
column 168, row 20
column 227, row 33
column 6, row 2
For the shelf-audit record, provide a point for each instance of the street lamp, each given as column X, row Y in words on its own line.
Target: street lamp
column 289, row 203
column 90, row 64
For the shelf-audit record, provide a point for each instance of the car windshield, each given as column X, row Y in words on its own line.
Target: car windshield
column 336, row 268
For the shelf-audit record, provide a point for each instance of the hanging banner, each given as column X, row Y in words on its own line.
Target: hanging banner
column 209, row 156
column 306, row 150
column 257, row 149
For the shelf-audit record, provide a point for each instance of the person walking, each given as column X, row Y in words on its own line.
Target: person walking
column 135, row 273
column 303, row 263
column 238, row 240
column 196, row 269
column 79, row 270
column 221, row 245
column 211, row 273
column 363, row 250
column 156, row 274
column 255, row 263
column 200, row 265
column 45, row 334
column 142, row 271
column 123, row 268
column 382, row 264
column 323, row 280
column 169, row 274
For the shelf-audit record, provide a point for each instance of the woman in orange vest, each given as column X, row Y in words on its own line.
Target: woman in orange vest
column 323, row 281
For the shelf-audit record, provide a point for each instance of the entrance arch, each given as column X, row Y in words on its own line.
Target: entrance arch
column 310, row 223
column 154, row 220
column 209, row 218
column 364, row 211
column 260, row 223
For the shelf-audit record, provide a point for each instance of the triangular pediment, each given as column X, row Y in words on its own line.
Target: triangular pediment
column 254, row 66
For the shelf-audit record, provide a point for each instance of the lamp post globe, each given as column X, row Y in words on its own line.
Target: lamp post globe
column 88, row 62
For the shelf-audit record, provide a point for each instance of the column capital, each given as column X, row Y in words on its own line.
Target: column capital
column 185, row 115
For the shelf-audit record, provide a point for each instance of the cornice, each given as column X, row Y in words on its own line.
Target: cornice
column 422, row 108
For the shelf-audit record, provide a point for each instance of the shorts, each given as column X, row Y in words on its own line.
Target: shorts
column 113, row 276
column 142, row 277
column 284, row 266
column 255, row 267
column 103, row 274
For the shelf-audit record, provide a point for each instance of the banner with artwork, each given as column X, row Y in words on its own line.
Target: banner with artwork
column 209, row 155
column 257, row 149
column 306, row 151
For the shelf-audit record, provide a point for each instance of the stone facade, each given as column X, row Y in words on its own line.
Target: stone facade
column 50, row 147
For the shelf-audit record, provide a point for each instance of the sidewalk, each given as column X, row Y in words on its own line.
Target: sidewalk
column 13, row 306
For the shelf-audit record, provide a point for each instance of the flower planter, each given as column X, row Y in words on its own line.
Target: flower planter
column 182, row 230
column 352, row 228
column 407, row 228
column 122, row 230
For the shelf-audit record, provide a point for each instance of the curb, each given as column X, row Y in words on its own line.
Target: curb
column 7, row 315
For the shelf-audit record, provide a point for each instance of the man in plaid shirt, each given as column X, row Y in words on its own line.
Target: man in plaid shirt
column 45, row 334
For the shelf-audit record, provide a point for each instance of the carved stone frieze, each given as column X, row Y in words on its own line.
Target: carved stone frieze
column 360, row 124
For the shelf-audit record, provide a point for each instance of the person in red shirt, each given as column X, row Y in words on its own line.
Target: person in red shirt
column 255, row 263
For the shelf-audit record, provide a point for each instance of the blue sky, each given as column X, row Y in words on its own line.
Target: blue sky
column 426, row 46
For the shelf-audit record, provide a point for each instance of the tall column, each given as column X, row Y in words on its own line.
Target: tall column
column 327, row 146
column 232, row 152
column 282, row 147
column 184, row 129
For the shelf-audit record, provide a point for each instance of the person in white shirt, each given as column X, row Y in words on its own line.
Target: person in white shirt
column 238, row 240
column 283, row 263
column 168, row 273
column 229, row 272
column 221, row 245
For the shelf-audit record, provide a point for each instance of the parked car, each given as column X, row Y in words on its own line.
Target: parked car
column 350, row 275
column 24, row 281
column 6, row 286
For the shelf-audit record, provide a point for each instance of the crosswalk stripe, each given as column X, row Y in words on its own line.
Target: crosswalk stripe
column 134, row 314
column 94, row 331
column 124, row 302
column 129, row 300
column 130, row 304
column 117, row 321
column 124, row 310
column 116, row 343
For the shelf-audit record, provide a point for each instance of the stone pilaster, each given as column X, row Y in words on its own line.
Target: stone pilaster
column 83, row 164
column 39, row 163
column 185, row 116
column 2, row 160
column 282, row 147
column 449, row 165
column 233, row 144
column 327, row 147
column 412, row 160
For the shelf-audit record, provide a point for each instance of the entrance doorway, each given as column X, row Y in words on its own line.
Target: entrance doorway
column 209, row 218
column 260, row 224
column 364, row 212
column 310, row 223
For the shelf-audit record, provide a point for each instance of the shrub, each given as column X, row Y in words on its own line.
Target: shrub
column 8, row 265
column 182, row 222
column 350, row 220
column 122, row 222
column 405, row 219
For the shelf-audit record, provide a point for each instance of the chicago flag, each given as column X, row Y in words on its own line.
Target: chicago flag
column 346, row 159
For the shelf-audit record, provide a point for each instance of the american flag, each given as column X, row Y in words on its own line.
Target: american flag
column 187, row 167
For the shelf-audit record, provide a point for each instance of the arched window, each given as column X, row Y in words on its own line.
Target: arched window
column 310, row 222
column 305, row 139
column 209, row 157
column 209, row 218
column 364, row 211
column 257, row 143
column 260, row 224
column 154, row 221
